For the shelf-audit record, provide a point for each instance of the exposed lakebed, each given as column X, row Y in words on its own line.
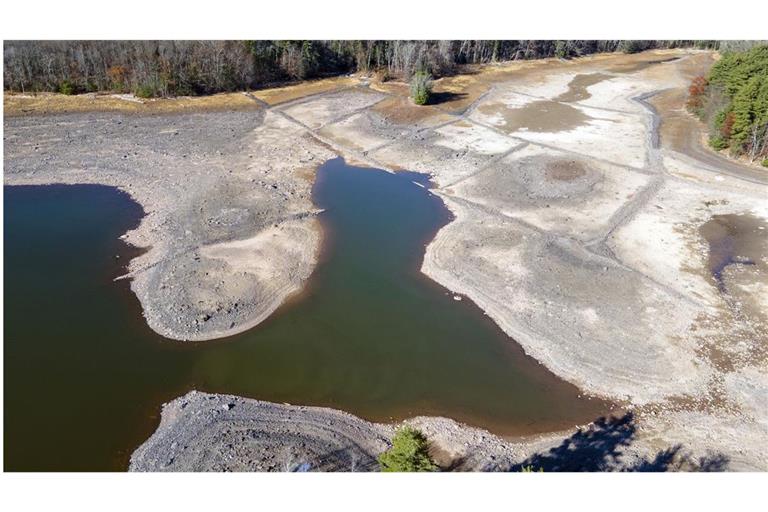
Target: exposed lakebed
column 85, row 376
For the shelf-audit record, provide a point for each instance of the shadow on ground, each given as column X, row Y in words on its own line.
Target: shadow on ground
column 602, row 447
column 437, row 98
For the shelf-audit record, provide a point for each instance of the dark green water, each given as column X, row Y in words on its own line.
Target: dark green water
column 85, row 376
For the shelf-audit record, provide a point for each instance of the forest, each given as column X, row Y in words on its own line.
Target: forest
column 175, row 68
column 733, row 101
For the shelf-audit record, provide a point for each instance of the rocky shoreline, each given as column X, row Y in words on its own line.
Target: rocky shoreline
column 208, row 432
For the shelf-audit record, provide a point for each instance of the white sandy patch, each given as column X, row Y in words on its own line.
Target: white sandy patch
column 347, row 133
column 637, row 362
column 613, row 136
column 506, row 259
column 662, row 240
column 469, row 136
column 450, row 154
column 683, row 167
column 323, row 110
column 590, row 315
column 617, row 93
column 263, row 255
column 712, row 434
column 757, row 290
column 584, row 215
column 749, row 388
column 127, row 97
column 549, row 87
column 506, row 97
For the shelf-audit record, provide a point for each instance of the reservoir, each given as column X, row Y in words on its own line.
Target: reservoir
column 85, row 377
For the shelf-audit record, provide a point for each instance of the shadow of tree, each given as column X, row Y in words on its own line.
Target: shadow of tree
column 602, row 447
column 436, row 98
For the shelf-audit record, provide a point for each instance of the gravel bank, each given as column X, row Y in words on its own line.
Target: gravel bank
column 205, row 432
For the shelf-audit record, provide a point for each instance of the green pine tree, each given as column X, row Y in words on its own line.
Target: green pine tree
column 409, row 453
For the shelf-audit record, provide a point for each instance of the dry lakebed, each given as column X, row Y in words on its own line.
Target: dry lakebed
column 625, row 260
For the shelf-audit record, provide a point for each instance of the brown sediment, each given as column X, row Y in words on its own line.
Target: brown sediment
column 463, row 90
column 731, row 338
column 564, row 170
column 634, row 65
column 457, row 93
column 577, row 89
column 734, row 240
column 680, row 131
column 395, row 88
column 401, row 110
column 538, row 116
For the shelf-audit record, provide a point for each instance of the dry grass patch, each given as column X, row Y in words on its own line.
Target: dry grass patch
column 53, row 103
column 283, row 94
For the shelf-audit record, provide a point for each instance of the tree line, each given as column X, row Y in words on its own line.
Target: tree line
column 172, row 68
column 733, row 101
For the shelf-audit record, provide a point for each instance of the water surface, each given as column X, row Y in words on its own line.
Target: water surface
column 85, row 376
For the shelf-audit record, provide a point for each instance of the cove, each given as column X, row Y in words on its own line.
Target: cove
column 85, row 377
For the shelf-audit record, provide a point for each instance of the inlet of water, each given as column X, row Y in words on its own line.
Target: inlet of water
column 85, row 376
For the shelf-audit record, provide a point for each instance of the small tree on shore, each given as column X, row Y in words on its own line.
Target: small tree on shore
column 561, row 49
column 409, row 453
column 421, row 87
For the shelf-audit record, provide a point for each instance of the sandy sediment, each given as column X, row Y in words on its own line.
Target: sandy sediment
column 577, row 229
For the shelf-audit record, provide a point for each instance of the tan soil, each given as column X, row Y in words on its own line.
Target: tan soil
column 564, row 170
column 577, row 89
column 52, row 103
column 401, row 110
column 284, row 94
column 537, row 116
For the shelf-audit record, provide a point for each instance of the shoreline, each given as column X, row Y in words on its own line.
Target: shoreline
column 215, row 432
column 524, row 235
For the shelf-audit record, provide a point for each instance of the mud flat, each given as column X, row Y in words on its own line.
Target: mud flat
column 577, row 228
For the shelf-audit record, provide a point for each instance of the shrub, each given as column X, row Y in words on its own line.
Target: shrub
column 118, row 77
column 529, row 469
column 726, row 127
column 144, row 91
column 409, row 452
column 718, row 142
column 67, row 87
column 765, row 163
column 421, row 87
column 696, row 92
column 561, row 49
